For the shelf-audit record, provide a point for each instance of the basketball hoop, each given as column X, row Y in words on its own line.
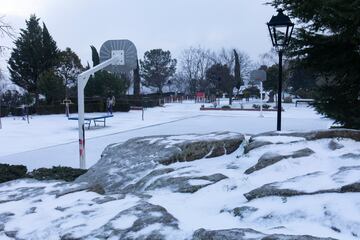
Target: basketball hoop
column 67, row 102
column 116, row 56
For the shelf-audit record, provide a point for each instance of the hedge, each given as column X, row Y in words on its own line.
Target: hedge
column 94, row 104
column 57, row 173
column 13, row 172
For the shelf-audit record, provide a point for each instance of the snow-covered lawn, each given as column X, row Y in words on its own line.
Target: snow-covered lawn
column 52, row 139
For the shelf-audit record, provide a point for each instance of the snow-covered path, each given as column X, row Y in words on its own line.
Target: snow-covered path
column 52, row 140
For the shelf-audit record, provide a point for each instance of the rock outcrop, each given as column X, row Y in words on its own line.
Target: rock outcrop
column 123, row 164
column 247, row 234
column 186, row 184
column 165, row 187
column 320, row 134
column 270, row 158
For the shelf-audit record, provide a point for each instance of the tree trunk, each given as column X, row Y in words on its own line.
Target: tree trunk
column 230, row 97
column 271, row 97
column 36, row 100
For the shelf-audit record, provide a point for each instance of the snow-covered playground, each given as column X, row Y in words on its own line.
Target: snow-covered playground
column 52, row 140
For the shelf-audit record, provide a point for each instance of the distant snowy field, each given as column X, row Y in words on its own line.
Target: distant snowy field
column 52, row 139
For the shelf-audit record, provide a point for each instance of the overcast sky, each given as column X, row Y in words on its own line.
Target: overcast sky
column 168, row 24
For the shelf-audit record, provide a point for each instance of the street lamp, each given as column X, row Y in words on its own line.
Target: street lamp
column 280, row 29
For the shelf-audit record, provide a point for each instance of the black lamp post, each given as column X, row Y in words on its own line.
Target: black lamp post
column 280, row 29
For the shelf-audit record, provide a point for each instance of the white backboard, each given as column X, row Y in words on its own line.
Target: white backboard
column 121, row 55
column 258, row 75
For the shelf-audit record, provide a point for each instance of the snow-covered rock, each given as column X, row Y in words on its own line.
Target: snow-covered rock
column 123, row 165
column 305, row 195
column 246, row 234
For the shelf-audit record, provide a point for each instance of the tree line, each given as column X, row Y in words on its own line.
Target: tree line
column 39, row 67
column 321, row 63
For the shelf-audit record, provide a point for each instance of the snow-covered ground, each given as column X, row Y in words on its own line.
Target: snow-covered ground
column 61, row 210
column 52, row 140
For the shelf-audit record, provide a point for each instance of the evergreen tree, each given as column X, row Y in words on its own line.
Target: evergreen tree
column 105, row 84
column 51, row 86
column 50, row 52
column 302, row 81
column 157, row 67
column 95, row 56
column 327, row 42
column 137, row 80
column 34, row 53
column 24, row 63
column 68, row 69
column 219, row 78
column 237, row 72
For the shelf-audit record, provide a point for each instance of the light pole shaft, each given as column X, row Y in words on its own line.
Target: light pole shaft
column 279, row 92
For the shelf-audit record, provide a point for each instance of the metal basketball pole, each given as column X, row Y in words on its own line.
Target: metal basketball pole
column 82, row 80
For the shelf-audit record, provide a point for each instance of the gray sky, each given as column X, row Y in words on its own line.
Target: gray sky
column 168, row 24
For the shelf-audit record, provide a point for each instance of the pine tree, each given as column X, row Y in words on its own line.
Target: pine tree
column 219, row 78
column 68, row 69
column 327, row 42
column 137, row 80
column 157, row 67
column 237, row 72
column 50, row 52
column 25, row 60
column 51, row 86
column 95, row 56
column 103, row 83
column 35, row 52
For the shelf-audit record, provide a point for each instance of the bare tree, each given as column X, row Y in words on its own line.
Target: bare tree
column 2, row 88
column 268, row 59
column 194, row 62
column 5, row 31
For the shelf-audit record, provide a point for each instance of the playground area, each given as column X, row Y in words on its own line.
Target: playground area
column 52, row 140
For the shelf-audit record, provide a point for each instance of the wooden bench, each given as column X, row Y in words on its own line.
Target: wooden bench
column 136, row 108
column 88, row 120
column 303, row 100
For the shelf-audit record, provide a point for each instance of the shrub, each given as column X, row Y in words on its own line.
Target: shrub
column 226, row 107
column 122, row 107
column 256, row 106
column 266, row 106
column 57, row 173
column 288, row 99
column 11, row 172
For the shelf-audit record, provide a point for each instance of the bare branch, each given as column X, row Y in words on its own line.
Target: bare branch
column 6, row 30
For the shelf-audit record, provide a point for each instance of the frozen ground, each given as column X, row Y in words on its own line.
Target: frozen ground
column 52, row 140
